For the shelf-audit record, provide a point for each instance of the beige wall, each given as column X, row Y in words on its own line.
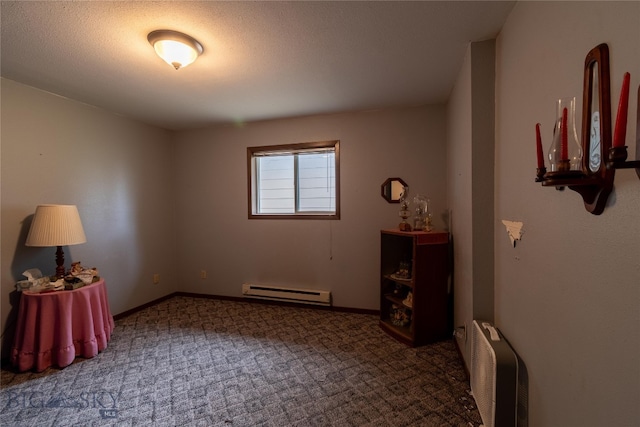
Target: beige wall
column 118, row 172
column 152, row 201
column 568, row 295
column 342, row 256
column 459, row 200
column 470, row 189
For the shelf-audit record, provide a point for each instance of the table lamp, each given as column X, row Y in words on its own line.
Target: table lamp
column 56, row 225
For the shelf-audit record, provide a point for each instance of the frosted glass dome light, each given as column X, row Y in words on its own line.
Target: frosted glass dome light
column 176, row 49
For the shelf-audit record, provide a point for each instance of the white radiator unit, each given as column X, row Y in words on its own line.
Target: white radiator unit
column 494, row 376
column 277, row 293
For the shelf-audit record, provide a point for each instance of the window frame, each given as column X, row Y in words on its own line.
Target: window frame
column 253, row 152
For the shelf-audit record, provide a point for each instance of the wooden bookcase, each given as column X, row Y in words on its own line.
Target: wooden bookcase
column 427, row 256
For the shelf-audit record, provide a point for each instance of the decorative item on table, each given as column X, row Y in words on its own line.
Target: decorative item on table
column 35, row 281
column 23, row 285
column 565, row 153
column 404, row 209
column 399, row 316
column 71, row 283
column 86, row 275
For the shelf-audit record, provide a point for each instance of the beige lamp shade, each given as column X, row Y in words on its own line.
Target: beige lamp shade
column 56, row 225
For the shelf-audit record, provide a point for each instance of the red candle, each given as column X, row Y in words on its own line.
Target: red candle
column 620, row 133
column 539, row 147
column 564, row 147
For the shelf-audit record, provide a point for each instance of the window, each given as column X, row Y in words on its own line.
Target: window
column 294, row 181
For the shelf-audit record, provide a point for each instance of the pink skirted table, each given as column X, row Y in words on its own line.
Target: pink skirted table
column 54, row 328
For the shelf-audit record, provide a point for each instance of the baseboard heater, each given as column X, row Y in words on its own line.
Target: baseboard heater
column 496, row 378
column 277, row 293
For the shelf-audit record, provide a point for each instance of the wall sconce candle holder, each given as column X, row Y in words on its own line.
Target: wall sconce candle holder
column 565, row 153
column 618, row 159
column 593, row 180
column 618, row 153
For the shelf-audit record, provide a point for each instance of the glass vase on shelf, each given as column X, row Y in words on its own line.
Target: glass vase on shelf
column 565, row 153
column 422, row 218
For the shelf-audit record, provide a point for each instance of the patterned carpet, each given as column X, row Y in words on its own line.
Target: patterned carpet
column 207, row 362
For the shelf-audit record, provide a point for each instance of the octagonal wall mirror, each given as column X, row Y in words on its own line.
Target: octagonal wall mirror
column 392, row 189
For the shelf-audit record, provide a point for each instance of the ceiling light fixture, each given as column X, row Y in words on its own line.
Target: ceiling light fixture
column 176, row 49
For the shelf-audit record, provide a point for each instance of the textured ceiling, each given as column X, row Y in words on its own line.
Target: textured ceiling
column 262, row 60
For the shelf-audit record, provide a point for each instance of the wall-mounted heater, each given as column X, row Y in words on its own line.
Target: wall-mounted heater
column 277, row 293
column 495, row 377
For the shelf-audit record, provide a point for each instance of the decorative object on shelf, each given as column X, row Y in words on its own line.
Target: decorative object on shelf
column 428, row 221
column 428, row 226
column 593, row 180
column 404, row 271
column 422, row 218
column 404, row 209
column 400, row 316
column 408, row 301
column 398, row 290
column 420, row 203
column 56, row 225
column 391, row 189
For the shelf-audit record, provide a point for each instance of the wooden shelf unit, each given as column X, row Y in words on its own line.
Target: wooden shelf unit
column 428, row 255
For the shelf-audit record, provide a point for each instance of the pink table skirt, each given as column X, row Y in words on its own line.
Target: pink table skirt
column 53, row 328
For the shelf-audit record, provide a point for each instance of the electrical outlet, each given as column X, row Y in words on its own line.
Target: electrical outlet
column 460, row 333
column 203, row 274
column 156, row 279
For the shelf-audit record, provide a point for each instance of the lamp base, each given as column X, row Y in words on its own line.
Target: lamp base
column 60, row 263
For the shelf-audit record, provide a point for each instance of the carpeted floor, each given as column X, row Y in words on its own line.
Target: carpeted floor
column 206, row 362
